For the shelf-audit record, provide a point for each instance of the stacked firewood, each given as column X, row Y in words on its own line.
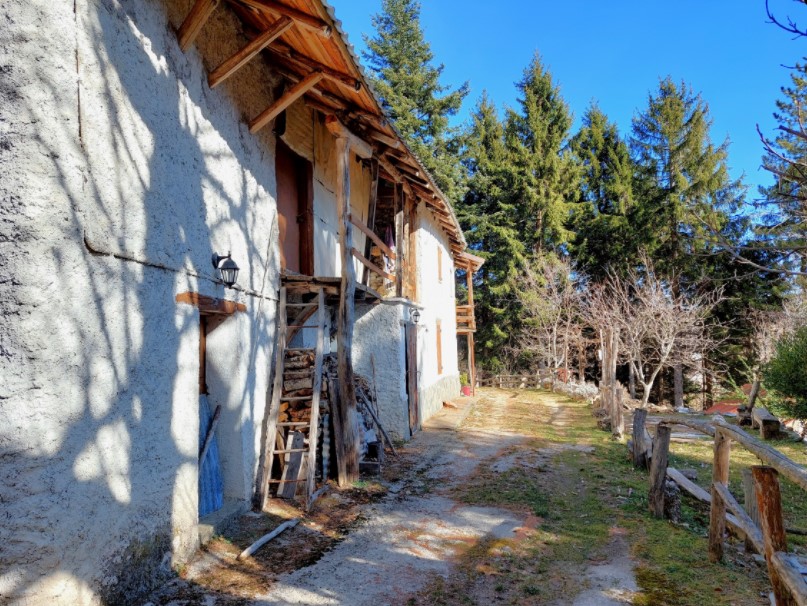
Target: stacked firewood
column 298, row 379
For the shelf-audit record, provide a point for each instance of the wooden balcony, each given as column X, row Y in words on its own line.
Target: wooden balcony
column 466, row 322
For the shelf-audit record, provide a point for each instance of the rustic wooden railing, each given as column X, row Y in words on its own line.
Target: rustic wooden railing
column 378, row 242
column 466, row 320
column 767, row 537
column 517, row 381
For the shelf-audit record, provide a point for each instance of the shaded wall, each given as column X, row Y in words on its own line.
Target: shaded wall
column 122, row 173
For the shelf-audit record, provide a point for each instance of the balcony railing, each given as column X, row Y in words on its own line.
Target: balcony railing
column 466, row 322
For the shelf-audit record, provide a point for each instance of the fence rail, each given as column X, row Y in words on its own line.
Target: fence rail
column 763, row 497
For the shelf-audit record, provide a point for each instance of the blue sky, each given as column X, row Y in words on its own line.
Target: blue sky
column 615, row 52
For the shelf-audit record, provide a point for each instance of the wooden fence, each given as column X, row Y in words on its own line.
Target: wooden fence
column 533, row 381
column 767, row 536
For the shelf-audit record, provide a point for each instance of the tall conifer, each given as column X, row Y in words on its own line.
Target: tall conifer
column 408, row 83
column 544, row 175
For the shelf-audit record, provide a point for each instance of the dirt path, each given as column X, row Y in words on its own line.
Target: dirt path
column 465, row 509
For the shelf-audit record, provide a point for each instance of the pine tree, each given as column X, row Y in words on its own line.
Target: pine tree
column 544, row 175
column 408, row 83
column 491, row 230
column 604, row 240
column 783, row 227
column 684, row 189
column 686, row 194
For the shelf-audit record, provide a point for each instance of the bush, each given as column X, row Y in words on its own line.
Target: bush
column 786, row 375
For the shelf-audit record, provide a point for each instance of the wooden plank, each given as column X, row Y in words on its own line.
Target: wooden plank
column 717, row 511
column 277, row 389
column 769, row 502
column 313, row 433
column 294, row 93
column 374, row 237
column 357, row 145
column 243, row 56
column 658, row 471
column 294, row 462
column 789, row 571
column 348, row 442
column 302, row 19
column 210, row 305
column 370, row 265
column 770, row 456
column 750, row 503
column 753, row 535
column 194, row 22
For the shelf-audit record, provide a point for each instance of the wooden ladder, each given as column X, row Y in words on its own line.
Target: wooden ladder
column 284, row 439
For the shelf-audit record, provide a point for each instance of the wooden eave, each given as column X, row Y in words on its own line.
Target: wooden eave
column 316, row 44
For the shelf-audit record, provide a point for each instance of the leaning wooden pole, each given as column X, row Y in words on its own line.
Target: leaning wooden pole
column 348, row 443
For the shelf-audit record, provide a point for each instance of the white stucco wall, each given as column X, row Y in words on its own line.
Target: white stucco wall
column 122, row 173
column 438, row 298
column 379, row 340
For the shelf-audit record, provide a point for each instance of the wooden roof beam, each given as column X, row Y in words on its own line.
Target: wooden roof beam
column 357, row 145
column 305, row 63
column 294, row 93
column 194, row 22
column 243, row 56
column 302, row 19
column 393, row 172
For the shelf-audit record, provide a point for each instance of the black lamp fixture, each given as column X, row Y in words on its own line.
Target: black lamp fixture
column 415, row 316
column 227, row 270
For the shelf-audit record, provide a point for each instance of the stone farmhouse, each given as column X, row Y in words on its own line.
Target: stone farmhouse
column 147, row 389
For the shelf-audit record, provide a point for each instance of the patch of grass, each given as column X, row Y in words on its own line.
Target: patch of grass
column 515, row 488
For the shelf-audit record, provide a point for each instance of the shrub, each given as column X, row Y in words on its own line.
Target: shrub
column 786, row 375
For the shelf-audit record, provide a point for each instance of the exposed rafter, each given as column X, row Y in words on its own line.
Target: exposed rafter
column 305, row 20
column 306, row 63
column 243, row 56
column 357, row 145
column 294, row 93
column 194, row 22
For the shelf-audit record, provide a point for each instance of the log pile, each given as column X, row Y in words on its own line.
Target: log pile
column 298, row 376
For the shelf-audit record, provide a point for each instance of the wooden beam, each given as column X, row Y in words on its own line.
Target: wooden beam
column 373, row 236
column 357, row 145
column 243, row 56
column 396, row 175
column 294, row 93
column 348, row 442
column 306, row 64
column 371, row 266
column 304, row 20
column 210, row 305
column 194, row 22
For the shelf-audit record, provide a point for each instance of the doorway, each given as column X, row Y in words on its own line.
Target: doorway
column 295, row 208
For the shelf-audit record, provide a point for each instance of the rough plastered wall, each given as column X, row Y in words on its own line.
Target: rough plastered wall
column 327, row 248
column 438, row 298
column 121, row 174
column 379, row 340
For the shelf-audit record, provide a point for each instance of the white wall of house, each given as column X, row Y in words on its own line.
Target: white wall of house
column 438, row 382
column 122, row 173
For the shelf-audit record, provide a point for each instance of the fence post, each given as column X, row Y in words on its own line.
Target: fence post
column 750, row 504
column 658, row 470
column 717, row 512
column 639, row 446
column 769, row 502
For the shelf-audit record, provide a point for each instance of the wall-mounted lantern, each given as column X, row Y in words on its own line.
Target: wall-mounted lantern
column 414, row 315
column 228, row 270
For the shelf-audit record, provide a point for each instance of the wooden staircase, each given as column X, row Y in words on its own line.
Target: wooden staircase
column 292, row 428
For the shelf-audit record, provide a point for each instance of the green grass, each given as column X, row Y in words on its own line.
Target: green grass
column 582, row 499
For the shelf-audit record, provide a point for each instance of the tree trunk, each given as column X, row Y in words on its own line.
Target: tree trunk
column 631, row 382
column 646, row 393
column 678, row 381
